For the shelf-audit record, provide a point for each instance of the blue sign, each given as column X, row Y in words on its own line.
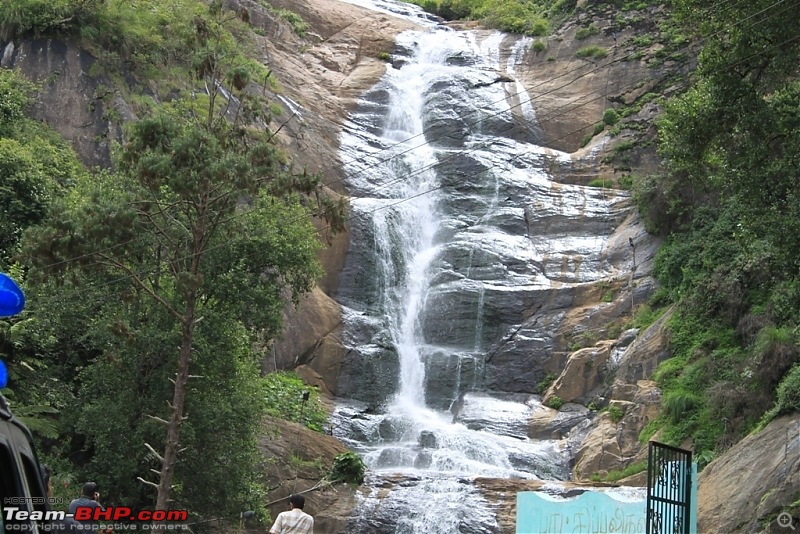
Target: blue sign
column 12, row 300
column 590, row 513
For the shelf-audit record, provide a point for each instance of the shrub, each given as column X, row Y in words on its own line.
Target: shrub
column 555, row 402
column 299, row 26
column 586, row 32
column 539, row 45
column 594, row 51
column 616, row 413
column 610, row 117
column 349, row 468
column 789, row 392
column 680, row 404
column 545, row 382
column 284, row 398
column 599, row 182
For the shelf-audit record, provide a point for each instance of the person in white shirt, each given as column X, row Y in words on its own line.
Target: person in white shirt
column 295, row 521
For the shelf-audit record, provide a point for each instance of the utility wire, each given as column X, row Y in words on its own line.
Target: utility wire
column 147, row 272
column 456, row 154
column 467, row 126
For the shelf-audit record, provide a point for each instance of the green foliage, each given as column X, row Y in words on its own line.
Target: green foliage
column 384, row 56
column 539, row 45
column 646, row 315
column 349, row 468
column 679, row 404
column 299, row 26
column 149, row 36
column 35, row 165
column 599, row 182
column 615, row 413
column 18, row 17
column 527, row 18
column 789, row 392
column 586, row 32
column 156, row 244
column 617, row 475
column 282, row 393
column 610, row 117
column 555, row 402
column 545, row 382
column 593, row 51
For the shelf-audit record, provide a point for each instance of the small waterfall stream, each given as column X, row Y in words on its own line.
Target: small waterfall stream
column 441, row 158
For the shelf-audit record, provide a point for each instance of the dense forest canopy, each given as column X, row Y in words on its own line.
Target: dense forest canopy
column 728, row 204
column 154, row 286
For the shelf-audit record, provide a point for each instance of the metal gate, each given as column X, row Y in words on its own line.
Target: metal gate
column 669, row 489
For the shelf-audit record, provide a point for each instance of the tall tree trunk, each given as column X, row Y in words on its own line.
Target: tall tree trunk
column 178, row 399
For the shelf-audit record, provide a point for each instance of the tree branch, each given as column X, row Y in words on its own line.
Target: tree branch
column 154, row 418
column 153, row 451
column 144, row 286
column 321, row 484
column 143, row 481
column 281, row 127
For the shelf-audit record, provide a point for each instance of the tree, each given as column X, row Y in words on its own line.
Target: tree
column 203, row 222
column 34, row 164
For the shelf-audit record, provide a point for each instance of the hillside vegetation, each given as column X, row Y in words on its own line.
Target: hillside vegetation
column 728, row 205
column 155, row 286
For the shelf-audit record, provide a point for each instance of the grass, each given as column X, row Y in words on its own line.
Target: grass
column 592, row 52
column 617, row 475
column 586, row 32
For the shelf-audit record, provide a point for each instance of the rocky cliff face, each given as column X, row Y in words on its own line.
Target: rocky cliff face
column 757, row 480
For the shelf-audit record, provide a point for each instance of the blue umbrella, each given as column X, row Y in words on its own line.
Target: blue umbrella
column 3, row 375
column 12, row 300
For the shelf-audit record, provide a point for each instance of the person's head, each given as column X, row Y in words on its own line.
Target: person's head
column 90, row 490
column 46, row 474
column 297, row 501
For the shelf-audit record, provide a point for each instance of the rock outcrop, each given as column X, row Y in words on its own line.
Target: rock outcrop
column 67, row 80
column 297, row 459
column 745, row 489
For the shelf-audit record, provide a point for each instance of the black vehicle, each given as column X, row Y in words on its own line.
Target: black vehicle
column 23, row 497
column 21, row 484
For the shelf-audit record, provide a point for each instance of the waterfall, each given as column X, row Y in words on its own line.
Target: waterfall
column 442, row 162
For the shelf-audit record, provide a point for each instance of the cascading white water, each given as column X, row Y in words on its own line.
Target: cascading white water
column 398, row 148
column 445, row 174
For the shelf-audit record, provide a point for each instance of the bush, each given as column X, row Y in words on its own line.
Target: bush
column 284, row 398
column 616, row 413
column 599, row 182
column 299, row 26
column 610, row 117
column 349, row 468
column 594, row 51
column 539, row 45
column 545, row 382
column 555, row 402
column 679, row 404
column 586, row 32
column 789, row 392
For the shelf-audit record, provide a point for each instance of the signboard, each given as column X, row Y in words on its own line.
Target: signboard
column 590, row 513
